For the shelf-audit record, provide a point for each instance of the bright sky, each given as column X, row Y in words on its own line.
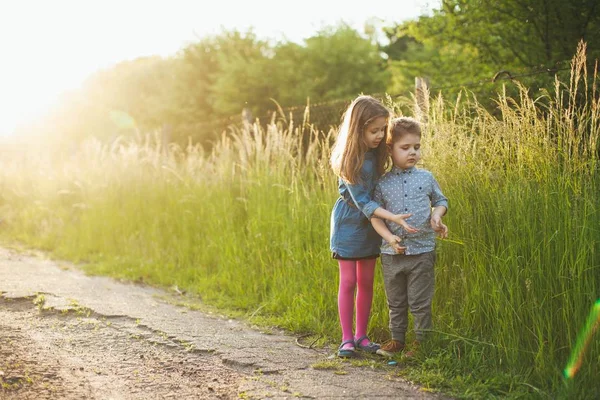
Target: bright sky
column 50, row 46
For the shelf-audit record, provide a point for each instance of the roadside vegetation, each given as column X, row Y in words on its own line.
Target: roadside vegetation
column 245, row 228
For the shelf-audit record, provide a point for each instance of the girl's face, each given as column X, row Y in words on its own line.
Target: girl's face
column 375, row 132
column 406, row 151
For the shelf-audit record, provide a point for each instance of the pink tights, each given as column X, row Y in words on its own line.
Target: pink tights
column 359, row 275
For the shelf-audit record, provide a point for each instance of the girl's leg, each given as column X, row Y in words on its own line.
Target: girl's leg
column 346, row 298
column 364, row 297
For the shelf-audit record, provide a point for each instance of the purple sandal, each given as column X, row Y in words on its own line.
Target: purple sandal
column 370, row 347
column 346, row 353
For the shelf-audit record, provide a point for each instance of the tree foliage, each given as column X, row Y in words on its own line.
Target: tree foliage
column 516, row 32
column 468, row 41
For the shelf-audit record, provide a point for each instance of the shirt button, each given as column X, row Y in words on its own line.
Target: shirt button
column 406, row 209
column 405, row 195
column 404, row 181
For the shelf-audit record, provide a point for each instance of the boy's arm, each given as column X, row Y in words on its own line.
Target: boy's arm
column 438, row 211
column 436, row 221
column 438, row 200
column 439, row 204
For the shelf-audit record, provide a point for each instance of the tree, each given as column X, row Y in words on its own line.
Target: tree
column 340, row 63
column 137, row 87
column 466, row 43
column 526, row 33
column 243, row 78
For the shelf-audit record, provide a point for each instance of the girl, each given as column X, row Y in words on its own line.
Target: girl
column 358, row 158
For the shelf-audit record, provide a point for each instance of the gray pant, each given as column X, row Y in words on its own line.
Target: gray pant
column 409, row 283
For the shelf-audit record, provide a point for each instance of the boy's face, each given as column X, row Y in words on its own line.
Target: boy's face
column 406, row 152
column 375, row 132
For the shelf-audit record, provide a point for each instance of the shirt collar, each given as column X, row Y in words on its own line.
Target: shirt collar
column 400, row 170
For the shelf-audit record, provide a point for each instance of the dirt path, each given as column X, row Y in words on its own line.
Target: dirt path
column 64, row 335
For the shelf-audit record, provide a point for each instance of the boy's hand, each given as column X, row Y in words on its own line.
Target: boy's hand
column 438, row 226
column 394, row 241
column 400, row 220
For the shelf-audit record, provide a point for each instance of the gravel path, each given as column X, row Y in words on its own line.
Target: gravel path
column 65, row 335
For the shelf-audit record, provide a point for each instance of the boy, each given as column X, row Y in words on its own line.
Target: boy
column 408, row 267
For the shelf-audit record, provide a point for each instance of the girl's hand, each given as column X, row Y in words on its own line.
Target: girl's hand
column 400, row 220
column 394, row 241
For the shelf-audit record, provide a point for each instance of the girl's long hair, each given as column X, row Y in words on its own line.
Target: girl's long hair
column 348, row 153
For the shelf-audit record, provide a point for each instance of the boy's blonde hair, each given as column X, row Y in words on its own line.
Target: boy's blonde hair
column 349, row 150
column 401, row 126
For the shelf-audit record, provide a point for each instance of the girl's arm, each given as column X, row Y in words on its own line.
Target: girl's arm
column 361, row 198
column 370, row 207
column 400, row 219
column 385, row 214
column 383, row 231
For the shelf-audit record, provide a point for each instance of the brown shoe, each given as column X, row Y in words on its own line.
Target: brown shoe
column 414, row 348
column 390, row 348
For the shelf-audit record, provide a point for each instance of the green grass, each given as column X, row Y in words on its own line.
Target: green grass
column 246, row 228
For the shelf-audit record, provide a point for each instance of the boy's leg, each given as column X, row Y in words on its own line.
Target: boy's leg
column 420, row 287
column 394, row 278
column 365, row 272
column 346, row 298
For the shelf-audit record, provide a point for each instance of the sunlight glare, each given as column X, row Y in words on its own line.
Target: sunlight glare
column 48, row 47
column 38, row 63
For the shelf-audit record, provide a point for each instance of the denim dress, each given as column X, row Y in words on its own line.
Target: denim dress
column 351, row 234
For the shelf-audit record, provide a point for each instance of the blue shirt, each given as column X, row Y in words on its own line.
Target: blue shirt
column 410, row 191
column 351, row 232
